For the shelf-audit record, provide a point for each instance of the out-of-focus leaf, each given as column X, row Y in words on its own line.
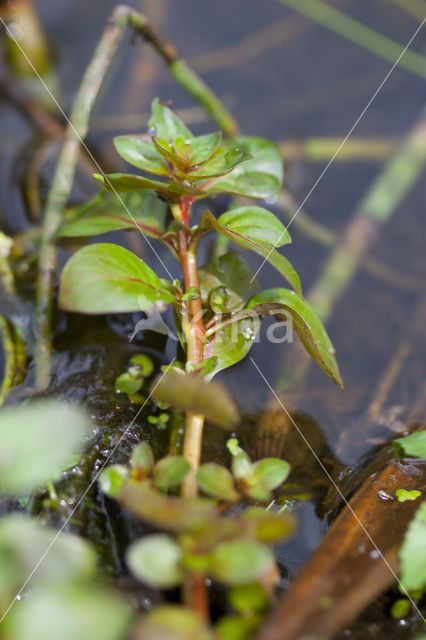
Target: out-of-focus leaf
column 413, row 445
column 172, row 514
column 217, row 482
column 413, row 552
column 257, row 224
column 72, row 610
column 24, row 541
column 260, row 177
column 248, row 598
column 156, row 560
column 141, row 153
column 172, row 622
column 306, row 323
column 142, row 210
column 144, row 362
column 242, row 467
column 240, row 561
column 267, row 526
column 37, row 440
column 170, row 471
column 167, row 125
column 262, row 247
column 107, row 278
column 112, row 479
column 142, row 458
column 235, row 628
column 229, row 270
column 271, row 472
column 193, row 393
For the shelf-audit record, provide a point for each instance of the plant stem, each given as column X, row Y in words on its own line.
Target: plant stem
column 359, row 33
column 196, row 594
column 9, row 359
column 62, row 183
column 194, row 332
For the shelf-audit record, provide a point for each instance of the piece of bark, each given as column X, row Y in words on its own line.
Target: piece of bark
column 356, row 560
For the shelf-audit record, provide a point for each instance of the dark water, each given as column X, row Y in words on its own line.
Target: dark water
column 310, row 83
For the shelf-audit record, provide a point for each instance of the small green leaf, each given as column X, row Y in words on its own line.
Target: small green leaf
column 142, row 458
column 240, row 561
column 404, row 495
column 260, row 177
column 126, row 383
column 168, row 126
column 170, row 471
column 262, row 247
column 156, row 560
column 112, row 479
column 232, row 343
column 400, row 608
column 129, row 182
column 37, row 440
column 248, row 598
column 233, row 446
column 168, row 152
column 257, row 224
column 193, row 393
column 191, row 294
column 413, row 552
column 219, row 300
column 235, row 628
column 413, row 445
column 306, row 323
column 144, row 362
column 242, row 467
column 217, row 482
column 204, row 368
column 107, row 278
column 271, row 472
column 140, row 153
column 229, row 270
column 172, row 622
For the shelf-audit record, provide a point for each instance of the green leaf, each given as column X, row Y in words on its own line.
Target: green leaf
column 242, row 467
column 168, row 126
column 271, row 472
column 240, row 561
column 168, row 152
column 72, row 610
column 256, row 223
column 129, row 182
column 107, row 278
column 229, row 270
column 142, row 210
column 142, row 458
column 263, row 248
column 172, row 514
column 144, row 362
column 413, row 445
column 126, row 383
column 306, row 324
column 203, row 147
column 170, row 471
column 141, row 153
column 37, row 439
column 266, row 526
column 232, row 343
column 403, row 495
column 248, row 598
column 23, row 541
column 156, row 560
column 217, row 482
column 223, row 160
column 113, row 479
column 260, row 177
column 236, row 628
column 193, row 393
column 413, row 552
column 172, row 622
